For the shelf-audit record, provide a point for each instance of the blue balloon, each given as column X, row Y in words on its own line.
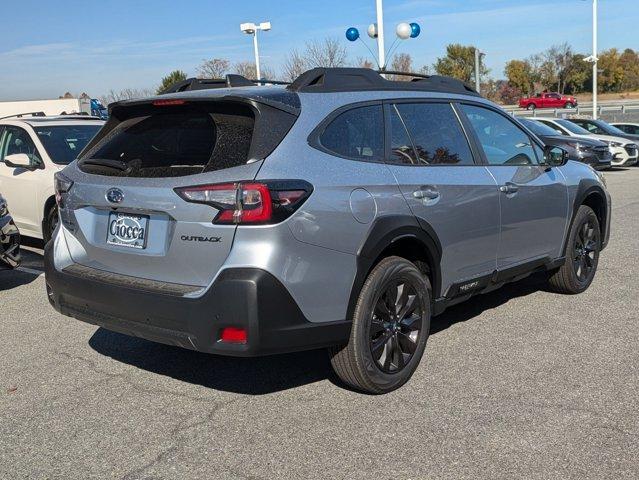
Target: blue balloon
column 352, row 34
column 415, row 30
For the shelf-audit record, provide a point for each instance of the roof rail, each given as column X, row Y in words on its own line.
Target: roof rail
column 324, row 80
column 231, row 80
column 33, row 114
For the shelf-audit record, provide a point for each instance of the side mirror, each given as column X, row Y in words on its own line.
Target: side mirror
column 19, row 160
column 555, row 156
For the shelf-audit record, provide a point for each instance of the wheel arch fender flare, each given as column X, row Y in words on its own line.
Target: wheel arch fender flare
column 383, row 234
column 589, row 188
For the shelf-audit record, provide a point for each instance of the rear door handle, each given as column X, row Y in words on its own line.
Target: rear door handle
column 426, row 193
column 509, row 188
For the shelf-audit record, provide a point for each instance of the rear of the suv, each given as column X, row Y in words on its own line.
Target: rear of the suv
column 342, row 211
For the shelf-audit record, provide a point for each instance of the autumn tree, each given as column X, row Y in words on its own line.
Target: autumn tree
column 459, row 62
column 612, row 74
column 520, row 75
column 629, row 61
column 173, row 77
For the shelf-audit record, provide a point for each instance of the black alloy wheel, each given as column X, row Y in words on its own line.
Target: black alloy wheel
column 396, row 324
column 586, row 251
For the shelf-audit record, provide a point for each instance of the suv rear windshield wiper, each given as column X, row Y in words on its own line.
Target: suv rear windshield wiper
column 104, row 162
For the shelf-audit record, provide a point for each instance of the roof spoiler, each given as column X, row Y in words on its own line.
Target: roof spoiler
column 325, row 80
column 230, row 81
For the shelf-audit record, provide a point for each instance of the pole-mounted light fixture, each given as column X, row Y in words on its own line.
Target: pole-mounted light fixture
column 251, row 29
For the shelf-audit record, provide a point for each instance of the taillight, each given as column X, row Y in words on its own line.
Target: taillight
column 61, row 185
column 233, row 335
column 250, row 202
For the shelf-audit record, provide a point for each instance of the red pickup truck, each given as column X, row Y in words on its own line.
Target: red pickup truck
column 548, row 100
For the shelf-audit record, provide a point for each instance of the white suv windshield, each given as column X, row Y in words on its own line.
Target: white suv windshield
column 64, row 143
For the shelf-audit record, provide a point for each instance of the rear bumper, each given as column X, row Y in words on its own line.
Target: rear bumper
column 246, row 298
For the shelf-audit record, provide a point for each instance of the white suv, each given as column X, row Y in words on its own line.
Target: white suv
column 624, row 152
column 32, row 150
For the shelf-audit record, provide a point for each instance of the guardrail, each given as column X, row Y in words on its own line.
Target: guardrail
column 605, row 107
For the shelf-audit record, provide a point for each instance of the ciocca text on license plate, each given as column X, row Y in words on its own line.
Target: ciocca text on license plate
column 127, row 230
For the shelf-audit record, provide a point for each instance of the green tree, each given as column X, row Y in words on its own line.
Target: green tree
column 612, row 74
column 629, row 61
column 173, row 77
column 459, row 62
column 520, row 75
column 578, row 76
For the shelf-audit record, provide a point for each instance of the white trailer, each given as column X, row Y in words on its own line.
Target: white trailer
column 48, row 107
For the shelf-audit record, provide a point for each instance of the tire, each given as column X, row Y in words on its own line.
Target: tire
column 582, row 254
column 531, row 106
column 385, row 349
column 50, row 223
column 569, row 106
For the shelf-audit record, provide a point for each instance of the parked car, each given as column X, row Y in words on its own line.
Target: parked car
column 548, row 100
column 599, row 127
column 629, row 128
column 624, row 152
column 342, row 211
column 9, row 238
column 587, row 150
column 32, row 150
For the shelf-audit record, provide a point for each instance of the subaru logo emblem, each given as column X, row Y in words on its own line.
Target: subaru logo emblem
column 115, row 195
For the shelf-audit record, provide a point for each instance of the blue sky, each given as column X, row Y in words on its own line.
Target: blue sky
column 48, row 48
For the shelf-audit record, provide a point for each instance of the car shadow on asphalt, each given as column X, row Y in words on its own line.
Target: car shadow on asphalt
column 14, row 278
column 264, row 375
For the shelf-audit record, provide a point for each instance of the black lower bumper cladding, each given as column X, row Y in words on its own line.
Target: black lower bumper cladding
column 246, row 298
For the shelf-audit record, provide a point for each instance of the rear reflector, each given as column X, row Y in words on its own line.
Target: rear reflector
column 233, row 335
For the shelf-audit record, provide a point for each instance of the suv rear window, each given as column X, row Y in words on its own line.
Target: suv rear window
column 174, row 141
column 357, row 133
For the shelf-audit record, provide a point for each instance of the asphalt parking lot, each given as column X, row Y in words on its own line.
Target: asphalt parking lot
column 519, row 383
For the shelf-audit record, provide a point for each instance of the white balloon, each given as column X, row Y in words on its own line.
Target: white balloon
column 404, row 30
column 372, row 30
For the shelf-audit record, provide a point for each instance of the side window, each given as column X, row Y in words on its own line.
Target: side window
column 16, row 140
column 402, row 150
column 436, row 133
column 591, row 127
column 554, row 127
column 357, row 133
column 503, row 142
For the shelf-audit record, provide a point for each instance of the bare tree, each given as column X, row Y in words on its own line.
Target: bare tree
column 364, row 63
column 126, row 94
column 248, row 70
column 325, row 53
column 402, row 62
column 294, row 65
column 213, row 68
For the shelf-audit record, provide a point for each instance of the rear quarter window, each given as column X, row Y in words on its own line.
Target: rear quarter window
column 357, row 133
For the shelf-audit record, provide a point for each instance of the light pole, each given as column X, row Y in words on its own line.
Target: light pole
column 594, row 59
column 381, row 52
column 478, row 56
column 375, row 31
column 251, row 29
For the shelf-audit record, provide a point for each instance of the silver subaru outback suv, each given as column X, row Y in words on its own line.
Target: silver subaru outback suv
column 342, row 211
